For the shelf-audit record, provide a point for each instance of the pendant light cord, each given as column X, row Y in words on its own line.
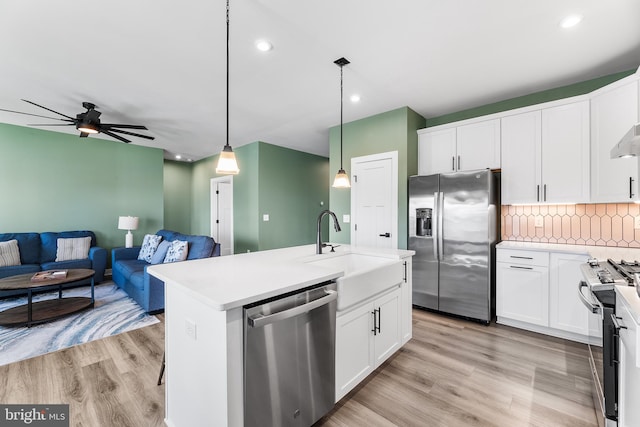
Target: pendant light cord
column 227, row 144
column 341, row 97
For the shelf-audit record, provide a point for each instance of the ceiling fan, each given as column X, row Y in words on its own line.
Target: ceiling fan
column 88, row 122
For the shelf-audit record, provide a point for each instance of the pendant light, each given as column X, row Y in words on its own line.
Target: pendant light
column 342, row 179
column 227, row 163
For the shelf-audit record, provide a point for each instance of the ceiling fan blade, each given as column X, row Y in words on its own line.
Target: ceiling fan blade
column 113, row 135
column 113, row 125
column 51, row 124
column 83, row 134
column 48, row 109
column 36, row 115
column 131, row 133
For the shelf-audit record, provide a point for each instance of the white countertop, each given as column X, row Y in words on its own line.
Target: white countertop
column 232, row 281
column 598, row 252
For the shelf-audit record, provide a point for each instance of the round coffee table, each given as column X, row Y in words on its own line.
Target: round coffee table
column 33, row 313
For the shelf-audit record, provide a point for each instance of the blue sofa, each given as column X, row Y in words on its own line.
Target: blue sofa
column 130, row 273
column 38, row 252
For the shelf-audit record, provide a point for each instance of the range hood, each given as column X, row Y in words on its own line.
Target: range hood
column 629, row 145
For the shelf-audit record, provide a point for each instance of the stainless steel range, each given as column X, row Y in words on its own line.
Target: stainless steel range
column 600, row 279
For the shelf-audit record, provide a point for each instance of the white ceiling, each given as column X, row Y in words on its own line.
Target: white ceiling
column 161, row 63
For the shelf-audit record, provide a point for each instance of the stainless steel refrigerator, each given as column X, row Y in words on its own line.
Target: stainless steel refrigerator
column 454, row 227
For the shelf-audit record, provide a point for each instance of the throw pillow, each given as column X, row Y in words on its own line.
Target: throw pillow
column 149, row 246
column 76, row 248
column 161, row 252
column 177, row 251
column 9, row 253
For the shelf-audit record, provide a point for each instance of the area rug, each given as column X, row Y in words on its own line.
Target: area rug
column 114, row 312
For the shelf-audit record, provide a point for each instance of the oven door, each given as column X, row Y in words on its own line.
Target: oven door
column 596, row 362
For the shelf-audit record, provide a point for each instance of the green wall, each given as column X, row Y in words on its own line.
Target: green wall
column 391, row 131
column 51, row 181
column 576, row 89
column 177, row 190
column 286, row 184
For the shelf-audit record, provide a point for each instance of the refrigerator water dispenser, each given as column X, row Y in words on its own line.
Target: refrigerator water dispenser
column 423, row 222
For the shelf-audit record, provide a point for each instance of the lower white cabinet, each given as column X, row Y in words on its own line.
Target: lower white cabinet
column 538, row 291
column 522, row 289
column 628, row 368
column 566, row 311
column 365, row 337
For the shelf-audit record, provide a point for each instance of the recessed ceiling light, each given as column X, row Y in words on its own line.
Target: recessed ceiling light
column 263, row 45
column 571, row 21
column 178, row 156
column 355, row 98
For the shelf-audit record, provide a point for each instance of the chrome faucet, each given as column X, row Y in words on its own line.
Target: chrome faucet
column 319, row 243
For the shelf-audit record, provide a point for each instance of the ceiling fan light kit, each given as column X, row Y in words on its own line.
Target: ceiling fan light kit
column 342, row 179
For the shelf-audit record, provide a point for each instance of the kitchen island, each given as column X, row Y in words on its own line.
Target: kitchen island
column 204, row 302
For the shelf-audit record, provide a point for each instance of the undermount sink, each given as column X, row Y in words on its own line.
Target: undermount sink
column 364, row 276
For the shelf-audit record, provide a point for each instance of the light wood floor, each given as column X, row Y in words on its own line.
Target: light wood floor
column 452, row 373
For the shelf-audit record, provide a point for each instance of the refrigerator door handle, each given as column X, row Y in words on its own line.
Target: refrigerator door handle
column 435, row 230
column 492, row 224
column 441, row 227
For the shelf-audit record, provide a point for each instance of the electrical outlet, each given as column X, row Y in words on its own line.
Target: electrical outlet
column 539, row 221
column 265, row 217
column 636, row 223
column 190, row 328
column 346, row 219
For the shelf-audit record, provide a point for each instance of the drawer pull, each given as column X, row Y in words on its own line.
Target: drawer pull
column 521, row 268
column 520, row 257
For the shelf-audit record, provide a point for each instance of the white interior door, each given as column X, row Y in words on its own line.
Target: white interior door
column 222, row 213
column 374, row 200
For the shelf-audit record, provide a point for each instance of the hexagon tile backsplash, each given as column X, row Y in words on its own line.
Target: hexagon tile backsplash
column 584, row 224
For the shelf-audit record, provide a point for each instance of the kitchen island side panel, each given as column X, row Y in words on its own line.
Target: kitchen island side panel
column 203, row 382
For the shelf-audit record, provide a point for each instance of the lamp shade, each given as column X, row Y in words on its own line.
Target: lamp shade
column 227, row 163
column 128, row 223
column 341, row 180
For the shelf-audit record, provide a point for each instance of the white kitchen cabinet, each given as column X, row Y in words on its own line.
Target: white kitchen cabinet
column 522, row 286
column 365, row 337
column 613, row 111
column 521, row 158
column 545, row 155
column 406, row 301
column 628, row 368
column 566, row 311
column 537, row 290
column 478, row 146
column 437, row 151
column 460, row 148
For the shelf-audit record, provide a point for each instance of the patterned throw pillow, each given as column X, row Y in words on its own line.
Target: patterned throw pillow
column 161, row 252
column 177, row 251
column 149, row 246
column 70, row 249
column 9, row 253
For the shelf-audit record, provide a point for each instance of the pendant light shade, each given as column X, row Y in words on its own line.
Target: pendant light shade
column 342, row 179
column 227, row 163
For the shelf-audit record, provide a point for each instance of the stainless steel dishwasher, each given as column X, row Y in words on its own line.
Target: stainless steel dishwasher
column 289, row 358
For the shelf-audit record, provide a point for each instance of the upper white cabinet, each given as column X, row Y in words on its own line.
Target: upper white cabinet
column 467, row 147
column 545, row 155
column 613, row 112
column 437, row 151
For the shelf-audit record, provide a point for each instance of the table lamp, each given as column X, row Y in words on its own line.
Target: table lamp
column 128, row 223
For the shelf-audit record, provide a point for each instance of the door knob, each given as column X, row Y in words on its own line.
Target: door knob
column 385, row 235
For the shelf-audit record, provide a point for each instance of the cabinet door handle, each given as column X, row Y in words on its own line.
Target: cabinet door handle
column 545, row 193
column 405, row 272
column 538, row 192
column 631, row 187
column 521, row 268
column 453, row 163
column 379, row 318
column 458, row 162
